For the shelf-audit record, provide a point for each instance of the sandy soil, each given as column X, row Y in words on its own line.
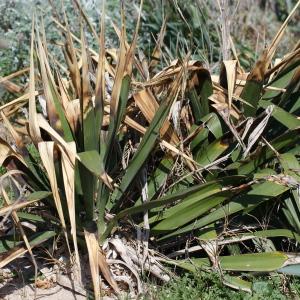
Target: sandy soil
column 63, row 289
column 12, row 292
column 52, row 283
column 18, row 292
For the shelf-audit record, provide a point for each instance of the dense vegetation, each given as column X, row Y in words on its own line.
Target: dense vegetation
column 158, row 155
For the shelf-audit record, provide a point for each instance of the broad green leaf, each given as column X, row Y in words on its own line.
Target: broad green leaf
column 189, row 265
column 159, row 176
column 9, row 243
column 292, row 210
column 251, row 94
column 289, row 162
column 209, row 154
column 270, row 233
column 213, row 125
column 92, row 161
column 199, row 96
column 90, row 136
column 30, row 217
column 238, row 283
column 41, row 237
column 267, row 189
column 199, row 139
column 117, row 117
column 123, row 100
column 263, row 173
column 207, row 233
column 34, row 217
column 190, row 212
column 38, row 195
column 263, row 155
column 256, row 262
column 259, row 193
column 93, row 168
column 168, row 200
column 282, row 79
column 282, row 116
column 209, row 189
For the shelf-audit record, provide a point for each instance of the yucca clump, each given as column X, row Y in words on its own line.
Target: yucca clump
column 124, row 158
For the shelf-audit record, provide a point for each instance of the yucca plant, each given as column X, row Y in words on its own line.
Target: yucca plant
column 122, row 156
